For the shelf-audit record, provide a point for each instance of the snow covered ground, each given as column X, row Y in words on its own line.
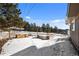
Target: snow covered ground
column 15, row 45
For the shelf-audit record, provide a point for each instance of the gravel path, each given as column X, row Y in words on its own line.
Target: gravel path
column 60, row 49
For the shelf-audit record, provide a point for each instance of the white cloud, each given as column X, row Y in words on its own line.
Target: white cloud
column 28, row 17
column 60, row 23
column 56, row 21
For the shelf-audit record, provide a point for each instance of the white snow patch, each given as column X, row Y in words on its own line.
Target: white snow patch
column 16, row 45
column 39, row 43
column 44, row 43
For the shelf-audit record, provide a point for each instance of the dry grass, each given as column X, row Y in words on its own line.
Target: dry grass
column 2, row 42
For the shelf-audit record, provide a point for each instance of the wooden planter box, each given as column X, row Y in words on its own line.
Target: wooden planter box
column 21, row 35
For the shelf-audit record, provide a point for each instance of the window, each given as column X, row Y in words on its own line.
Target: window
column 73, row 26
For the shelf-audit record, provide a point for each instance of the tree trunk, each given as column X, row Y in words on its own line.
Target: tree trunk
column 9, row 35
column 1, row 34
column 37, row 32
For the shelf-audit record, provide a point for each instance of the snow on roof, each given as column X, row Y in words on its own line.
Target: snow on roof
column 16, row 28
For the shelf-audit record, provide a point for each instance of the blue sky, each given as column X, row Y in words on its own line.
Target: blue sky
column 39, row 13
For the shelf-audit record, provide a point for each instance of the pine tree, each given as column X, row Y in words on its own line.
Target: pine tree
column 43, row 27
column 47, row 28
column 9, row 16
column 55, row 29
column 34, row 27
column 27, row 26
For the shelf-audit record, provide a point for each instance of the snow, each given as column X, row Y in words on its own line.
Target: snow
column 16, row 45
column 39, row 43
column 51, row 41
column 3, row 35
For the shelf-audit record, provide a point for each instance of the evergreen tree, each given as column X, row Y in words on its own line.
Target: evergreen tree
column 43, row 27
column 9, row 14
column 27, row 26
column 55, row 29
column 51, row 29
column 48, row 28
column 34, row 27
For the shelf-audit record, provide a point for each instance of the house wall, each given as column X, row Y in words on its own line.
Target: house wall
column 74, row 12
column 75, row 34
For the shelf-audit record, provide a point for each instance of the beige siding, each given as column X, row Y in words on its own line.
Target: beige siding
column 75, row 34
column 74, row 12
